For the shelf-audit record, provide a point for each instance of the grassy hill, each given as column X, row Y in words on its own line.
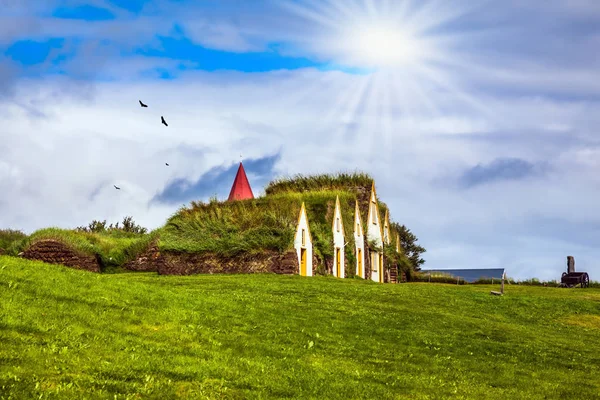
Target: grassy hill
column 69, row 334
column 221, row 228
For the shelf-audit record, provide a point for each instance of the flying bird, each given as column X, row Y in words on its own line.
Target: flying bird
column 142, row 104
column 163, row 121
column 116, row 187
column 167, row 164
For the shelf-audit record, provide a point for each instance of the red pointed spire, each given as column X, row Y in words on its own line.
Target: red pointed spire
column 241, row 189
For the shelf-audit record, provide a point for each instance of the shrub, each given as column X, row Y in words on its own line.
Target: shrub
column 12, row 241
column 128, row 226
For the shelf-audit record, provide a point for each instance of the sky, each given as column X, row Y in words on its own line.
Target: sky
column 479, row 119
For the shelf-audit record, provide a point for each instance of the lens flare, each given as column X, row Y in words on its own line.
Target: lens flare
column 402, row 46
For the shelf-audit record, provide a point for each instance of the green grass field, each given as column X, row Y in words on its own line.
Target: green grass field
column 74, row 335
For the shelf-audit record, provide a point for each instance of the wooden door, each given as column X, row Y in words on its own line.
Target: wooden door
column 374, row 267
column 303, row 262
column 360, row 263
column 338, row 262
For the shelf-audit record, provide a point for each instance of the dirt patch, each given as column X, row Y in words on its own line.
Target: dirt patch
column 55, row 252
column 148, row 261
column 170, row 263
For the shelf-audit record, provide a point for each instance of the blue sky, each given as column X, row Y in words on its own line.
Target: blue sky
column 478, row 119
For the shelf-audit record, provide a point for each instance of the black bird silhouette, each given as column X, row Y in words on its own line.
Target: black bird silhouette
column 142, row 104
column 116, row 187
column 163, row 121
column 167, row 164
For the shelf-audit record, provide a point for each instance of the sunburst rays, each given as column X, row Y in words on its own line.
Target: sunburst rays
column 403, row 86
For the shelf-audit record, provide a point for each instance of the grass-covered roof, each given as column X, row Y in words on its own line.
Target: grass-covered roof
column 266, row 223
column 269, row 223
column 357, row 183
column 229, row 228
column 115, row 248
column 303, row 183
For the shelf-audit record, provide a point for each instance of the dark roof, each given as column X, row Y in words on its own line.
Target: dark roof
column 470, row 275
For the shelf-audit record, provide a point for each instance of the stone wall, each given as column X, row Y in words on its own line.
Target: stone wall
column 147, row 261
column 55, row 252
column 368, row 267
column 171, row 263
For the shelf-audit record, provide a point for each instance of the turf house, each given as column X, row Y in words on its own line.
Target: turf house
column 306, row 225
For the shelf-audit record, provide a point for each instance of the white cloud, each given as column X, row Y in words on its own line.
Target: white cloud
column 64, row 143
column 59, row 169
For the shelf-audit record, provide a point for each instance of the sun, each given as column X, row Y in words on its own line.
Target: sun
column 385, row 47
column 404, row 51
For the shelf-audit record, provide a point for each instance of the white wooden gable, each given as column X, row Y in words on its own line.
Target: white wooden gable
column 303, row 241
column 338, row 240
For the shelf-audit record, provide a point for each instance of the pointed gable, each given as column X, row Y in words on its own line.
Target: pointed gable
column 386, row 228
column 373, row 223
column 303, row 243
column 338, row 224
column 358, row 227
column 303, row 225
column 240, row 190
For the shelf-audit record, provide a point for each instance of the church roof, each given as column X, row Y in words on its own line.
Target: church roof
column 240, row 190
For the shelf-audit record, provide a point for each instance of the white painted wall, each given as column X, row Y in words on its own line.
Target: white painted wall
column 374, row 234
column 375, row 266
column 338, row 240
column 303, row 224
column 360, row 242
column 386, row 230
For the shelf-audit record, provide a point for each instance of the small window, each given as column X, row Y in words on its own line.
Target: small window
column 303, row 238
column 374, row 212
column 358, row 228
column 337, row 224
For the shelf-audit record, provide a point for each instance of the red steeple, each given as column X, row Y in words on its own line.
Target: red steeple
column 241, row 189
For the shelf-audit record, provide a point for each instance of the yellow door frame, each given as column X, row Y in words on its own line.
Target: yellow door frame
column 338, row 264
column 359, row 252
column 303, row 262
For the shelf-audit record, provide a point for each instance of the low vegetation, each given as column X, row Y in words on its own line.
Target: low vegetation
column 305, row 183
column 69, row 334
column 116, row 245
column 230, row 228
column 443, row 278
column 11, row 241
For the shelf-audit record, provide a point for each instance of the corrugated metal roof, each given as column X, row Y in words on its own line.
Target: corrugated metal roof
column 470, row 275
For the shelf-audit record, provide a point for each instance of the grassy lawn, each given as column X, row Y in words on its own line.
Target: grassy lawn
column 71, row 334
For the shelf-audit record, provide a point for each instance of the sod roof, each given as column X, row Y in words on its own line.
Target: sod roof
column 269, row 223
column 358, row 183
column 115, row 248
